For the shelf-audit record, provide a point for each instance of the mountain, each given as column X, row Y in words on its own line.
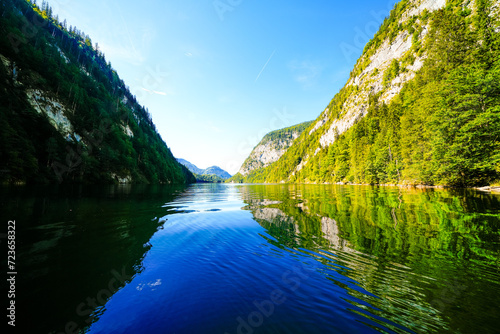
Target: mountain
column 192, row 168
column 421, row 106
column 269, row 150
column 214, row 170
column 65, row 114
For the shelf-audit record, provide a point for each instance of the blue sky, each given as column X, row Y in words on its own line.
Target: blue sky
column 218, row 75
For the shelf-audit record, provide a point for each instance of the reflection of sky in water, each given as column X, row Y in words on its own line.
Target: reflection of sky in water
column 212, row 258
column 337, row 259
column 151, row 285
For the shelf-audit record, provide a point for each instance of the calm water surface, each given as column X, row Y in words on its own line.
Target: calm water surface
column 255, row 259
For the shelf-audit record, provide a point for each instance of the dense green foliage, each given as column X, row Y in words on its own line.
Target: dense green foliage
column 213, row 174
column 209, row 178
column 286, row 133
column 443, row 128
column 255, row 176
column 45, row 55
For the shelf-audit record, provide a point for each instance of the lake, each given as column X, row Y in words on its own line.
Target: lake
column 217, row 258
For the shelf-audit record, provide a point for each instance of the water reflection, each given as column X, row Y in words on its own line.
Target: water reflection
column 76, row 246
column 190, row 260
column 419, row 258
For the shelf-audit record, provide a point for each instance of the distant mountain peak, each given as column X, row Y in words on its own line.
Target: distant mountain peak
column 213, row 170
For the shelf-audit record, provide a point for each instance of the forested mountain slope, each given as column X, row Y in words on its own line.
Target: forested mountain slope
column 421, row 106
column 268, row 150
column 65, row 115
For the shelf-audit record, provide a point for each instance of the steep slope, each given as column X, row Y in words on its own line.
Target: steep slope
column 65, row 115
column 269, row 150
column 421, row 106
column 213, row 170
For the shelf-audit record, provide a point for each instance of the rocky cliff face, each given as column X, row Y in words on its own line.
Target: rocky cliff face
column 54, row 110
column 65, row 114
column 421, row 38
column 372, row 67
column 271, row 148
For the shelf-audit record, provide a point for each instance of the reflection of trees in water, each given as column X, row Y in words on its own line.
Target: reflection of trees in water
column 75, row 241
column 423, row 252
column 394, row 222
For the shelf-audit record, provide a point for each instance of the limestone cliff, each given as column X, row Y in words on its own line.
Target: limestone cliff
column 420, row 45
column 271, row 148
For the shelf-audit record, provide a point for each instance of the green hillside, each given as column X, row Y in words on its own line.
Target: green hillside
column 65, row 114
column 428, row 116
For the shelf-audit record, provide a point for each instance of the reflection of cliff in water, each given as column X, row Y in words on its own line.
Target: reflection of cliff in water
column 331, row 232
column 389, row 222
column 420, row 252
column 281, row 226
column 303, row 229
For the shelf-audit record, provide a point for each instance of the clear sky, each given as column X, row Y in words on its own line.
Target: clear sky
column 218, row 75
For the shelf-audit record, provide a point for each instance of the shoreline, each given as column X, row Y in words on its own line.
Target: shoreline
column 486, row 189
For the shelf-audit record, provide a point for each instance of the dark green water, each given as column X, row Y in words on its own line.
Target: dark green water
column 254, row 259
